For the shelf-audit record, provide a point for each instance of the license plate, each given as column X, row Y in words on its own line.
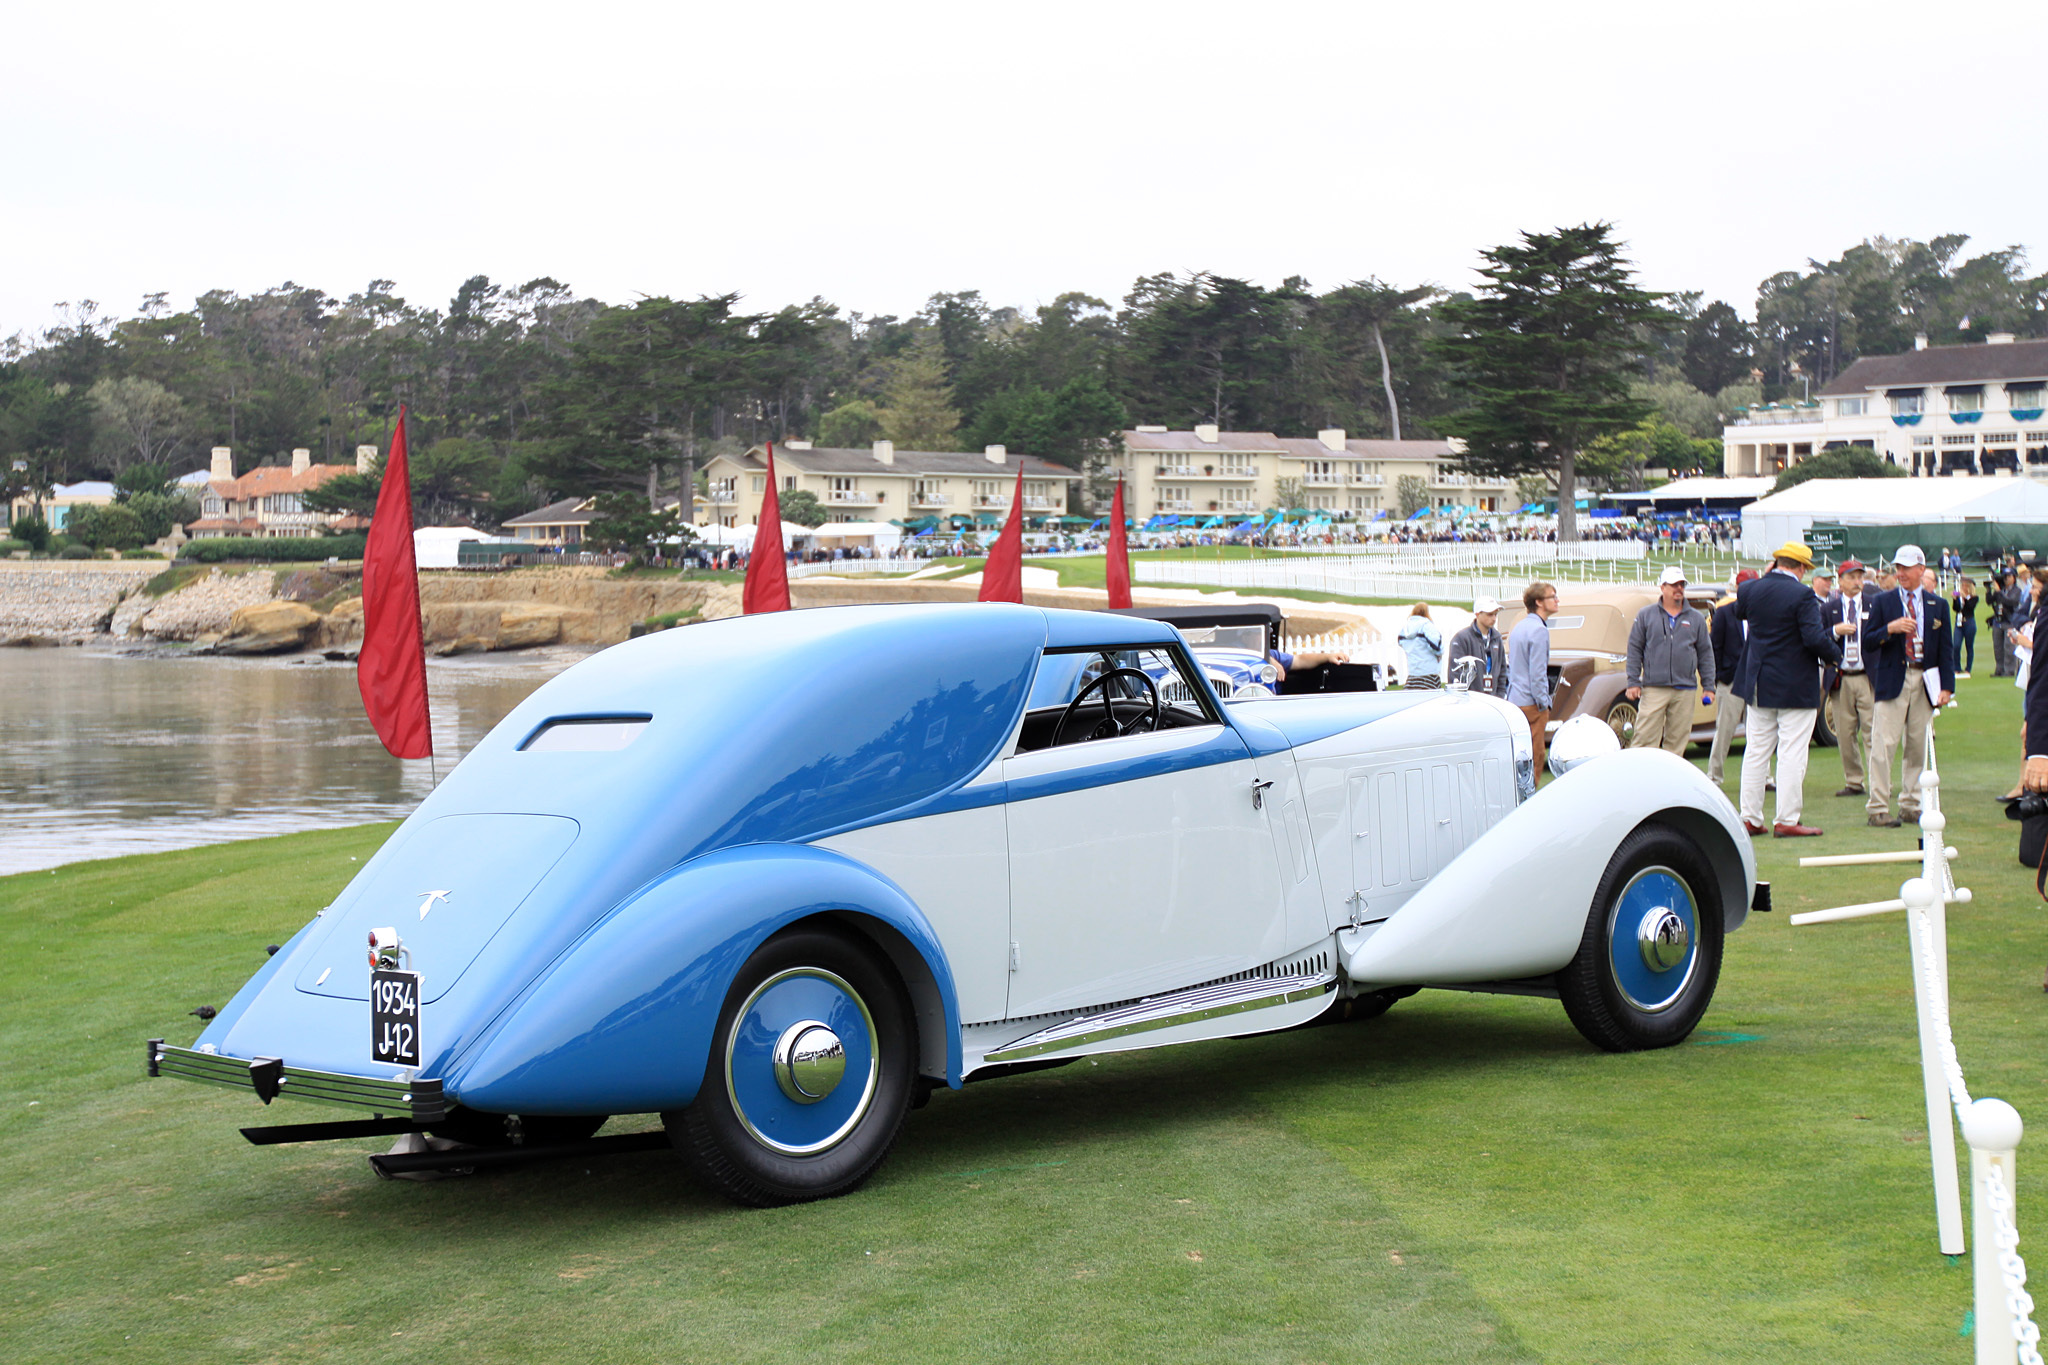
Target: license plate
column 395, row 1017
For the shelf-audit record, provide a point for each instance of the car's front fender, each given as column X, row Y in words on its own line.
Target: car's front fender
column 1514, row 903
column 622, row 1023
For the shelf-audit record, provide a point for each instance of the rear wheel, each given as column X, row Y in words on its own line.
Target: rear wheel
column 813, row 1066
column 1651, row 953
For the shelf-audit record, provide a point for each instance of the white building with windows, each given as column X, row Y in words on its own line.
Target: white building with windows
column 886, row 484
column 1207, row 472
column 1935, row 410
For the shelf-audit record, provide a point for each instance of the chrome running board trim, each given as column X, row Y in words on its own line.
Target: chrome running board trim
column 1166, row 1011
column 420, row 1100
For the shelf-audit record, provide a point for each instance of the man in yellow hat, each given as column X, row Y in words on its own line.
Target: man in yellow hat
column 1779, row 679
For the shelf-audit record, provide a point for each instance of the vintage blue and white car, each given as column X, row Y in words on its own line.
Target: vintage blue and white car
column 776, row 878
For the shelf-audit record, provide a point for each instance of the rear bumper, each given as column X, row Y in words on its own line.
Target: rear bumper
column 268, row 1078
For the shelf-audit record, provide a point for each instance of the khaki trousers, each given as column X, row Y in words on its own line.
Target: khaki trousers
column 1854, row 717
column 1727, row 725
column 1538, row 716
column 1663, row 720
column 1903, row 718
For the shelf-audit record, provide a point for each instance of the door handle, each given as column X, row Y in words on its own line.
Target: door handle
column 1259, row 795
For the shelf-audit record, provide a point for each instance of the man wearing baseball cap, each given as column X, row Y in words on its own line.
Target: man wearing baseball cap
column 1910, row 650
column 1669, row 660
column 1482, row 642
column 1855, row 707
column 1780, row 680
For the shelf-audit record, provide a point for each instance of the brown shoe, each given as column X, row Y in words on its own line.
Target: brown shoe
column 1794, row 831
column 1850, row 791
column 1752, row 827
column 1885, row 822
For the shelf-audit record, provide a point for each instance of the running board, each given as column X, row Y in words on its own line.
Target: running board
column 1167, row 1011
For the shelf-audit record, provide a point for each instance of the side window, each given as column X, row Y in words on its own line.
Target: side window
column 1090, row 695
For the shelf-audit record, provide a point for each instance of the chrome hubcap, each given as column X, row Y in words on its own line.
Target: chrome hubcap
column 1663, row 938
column 809, row 1061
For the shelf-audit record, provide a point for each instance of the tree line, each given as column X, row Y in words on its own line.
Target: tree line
column 520, row 394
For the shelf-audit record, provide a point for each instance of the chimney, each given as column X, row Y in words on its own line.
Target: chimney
column 223, row 465
column 366, row 459
column 1206, row 433
column 996, row 454
column 1332, row 438
column 1154, row 431
column 1999, row 339
column 1919, row 341
column 885, row 452
column 796, row 445
column 302, row 460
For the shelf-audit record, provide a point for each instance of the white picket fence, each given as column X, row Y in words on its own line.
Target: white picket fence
column 1362, row 644
column 2003, row 1311
column 1386, row 576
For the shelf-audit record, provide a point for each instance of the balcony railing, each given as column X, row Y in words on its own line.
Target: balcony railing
column 1775, row 414
column 1179, row 471
column 992, row 500
column 1038, row 504
column 1323, row 480
column 1369, row 480
column 852, row 495
column 930, row 499
column 724, row 495
column 1241, row 505
column 1176, row 505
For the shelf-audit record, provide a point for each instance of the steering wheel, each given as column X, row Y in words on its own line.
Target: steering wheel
column 1108, row 727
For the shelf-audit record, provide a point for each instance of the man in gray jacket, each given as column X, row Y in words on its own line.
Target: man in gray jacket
column 1482, row 642
column 1669, row 659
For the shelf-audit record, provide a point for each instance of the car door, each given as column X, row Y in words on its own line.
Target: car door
column 1140, row 862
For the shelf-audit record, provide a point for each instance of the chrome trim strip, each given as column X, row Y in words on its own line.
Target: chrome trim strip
column 421, row 1100
column 1166, row 1011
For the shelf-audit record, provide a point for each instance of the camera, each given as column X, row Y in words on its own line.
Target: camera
column 2028, row 806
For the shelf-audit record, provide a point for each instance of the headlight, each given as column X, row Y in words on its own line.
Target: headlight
column 1269, row 673
column 1250, row 689
column 1580, row 740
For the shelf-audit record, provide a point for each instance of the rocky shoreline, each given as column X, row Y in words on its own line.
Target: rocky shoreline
column 260, row 610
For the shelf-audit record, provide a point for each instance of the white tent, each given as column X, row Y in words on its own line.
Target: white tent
column 880, row 534
column 1770, row 522
column 724, row 535
column 434, row 547
column 791, row 532
column 1701, row 490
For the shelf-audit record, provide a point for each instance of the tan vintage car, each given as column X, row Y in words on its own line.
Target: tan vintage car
column 1589, row 656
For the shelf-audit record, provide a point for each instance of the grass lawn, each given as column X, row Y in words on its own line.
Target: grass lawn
column 1463, row 1180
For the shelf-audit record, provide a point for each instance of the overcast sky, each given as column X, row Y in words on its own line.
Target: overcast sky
column 875, row 154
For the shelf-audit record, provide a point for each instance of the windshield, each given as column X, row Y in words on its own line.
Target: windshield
column 1252, row 638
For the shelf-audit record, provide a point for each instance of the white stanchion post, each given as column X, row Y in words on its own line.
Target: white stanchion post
column 1993, row 1130
column 1923, row 905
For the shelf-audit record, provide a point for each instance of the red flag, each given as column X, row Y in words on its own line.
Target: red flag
column 1117, row 567
column 1002, row 576
column 391, row 669
column 767, row 585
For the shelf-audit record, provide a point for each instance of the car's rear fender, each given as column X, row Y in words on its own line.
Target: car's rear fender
column 622, row 1022
column 1514, row 904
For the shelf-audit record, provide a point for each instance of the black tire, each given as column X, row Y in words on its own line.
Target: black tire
column 533, row 1130
column 1612, row 990
column 750, row 1137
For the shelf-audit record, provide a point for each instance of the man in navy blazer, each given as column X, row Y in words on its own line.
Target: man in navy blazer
column 1779, row 678
column 1906, row 638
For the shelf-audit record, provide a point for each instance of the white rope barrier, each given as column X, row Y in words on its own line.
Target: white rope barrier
column 1991, row 1127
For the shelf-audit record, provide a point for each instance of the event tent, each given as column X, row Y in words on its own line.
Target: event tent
column 1684, row 492
column 879, row 534
column 1972, row 513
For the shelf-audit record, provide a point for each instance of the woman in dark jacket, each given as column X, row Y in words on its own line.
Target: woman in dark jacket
column 1964, row 603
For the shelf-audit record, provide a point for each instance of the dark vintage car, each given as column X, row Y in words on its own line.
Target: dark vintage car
column 1589, row 656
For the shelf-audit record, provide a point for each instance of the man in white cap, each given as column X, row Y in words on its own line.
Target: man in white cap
column 1909, row 652
column 1670, row 660
column 1482, row 642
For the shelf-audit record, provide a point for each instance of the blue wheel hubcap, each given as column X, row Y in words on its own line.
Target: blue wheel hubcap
column 802, row 1061
column 1653, row 939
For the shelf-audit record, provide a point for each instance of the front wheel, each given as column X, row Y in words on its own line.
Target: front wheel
column 1651, row 954
column 1621, row 718
column 812, row 1069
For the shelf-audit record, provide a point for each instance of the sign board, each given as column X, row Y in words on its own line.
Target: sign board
column 1827, row 539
